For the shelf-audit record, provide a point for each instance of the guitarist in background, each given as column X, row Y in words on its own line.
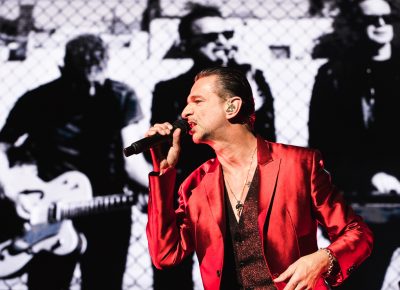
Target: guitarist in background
column 80, row 121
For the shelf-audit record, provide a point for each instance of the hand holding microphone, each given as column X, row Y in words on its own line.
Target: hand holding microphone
column 157, row 134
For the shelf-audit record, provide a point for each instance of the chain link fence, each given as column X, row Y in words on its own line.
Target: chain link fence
column 276, row 36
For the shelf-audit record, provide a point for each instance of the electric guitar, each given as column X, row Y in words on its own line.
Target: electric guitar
column 47, row 209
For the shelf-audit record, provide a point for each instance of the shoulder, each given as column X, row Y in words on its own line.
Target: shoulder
column 121, row 92
column 185, row 79
column 119, row 87
column 56, row 84
column 329, row 68
column 292, row 152
column 194, row 179
column 345, row 66
column 43, row 93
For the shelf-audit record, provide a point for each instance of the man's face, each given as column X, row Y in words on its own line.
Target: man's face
column 211, row 41
column 90, row 67
column 205, row 110
column 378, row 21
column 96, row 72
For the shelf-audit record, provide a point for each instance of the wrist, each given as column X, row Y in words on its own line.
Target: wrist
column 331, row 263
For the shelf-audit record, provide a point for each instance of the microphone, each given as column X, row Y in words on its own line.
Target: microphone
column 151, row 141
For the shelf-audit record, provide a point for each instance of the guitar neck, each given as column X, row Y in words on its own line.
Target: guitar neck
column 61, row 210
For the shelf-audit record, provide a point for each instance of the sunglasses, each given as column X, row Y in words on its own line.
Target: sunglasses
column 377, row 19
column 213, row 36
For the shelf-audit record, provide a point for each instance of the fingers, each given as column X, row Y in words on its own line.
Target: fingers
column 285, row 276
column 156, row 153
column 176, row 137
column 304, row 273
column 164, row 160
column 292, row 280
column 161, row 129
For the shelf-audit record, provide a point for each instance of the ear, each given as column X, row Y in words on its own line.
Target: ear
column 233, row 106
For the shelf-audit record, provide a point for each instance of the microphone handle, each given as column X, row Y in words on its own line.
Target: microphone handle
column 154, row 140
column 145, row 143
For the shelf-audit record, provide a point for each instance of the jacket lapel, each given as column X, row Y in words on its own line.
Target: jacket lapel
column 213, row 187
column 268, row 170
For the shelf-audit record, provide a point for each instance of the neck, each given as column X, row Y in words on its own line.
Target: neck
column 234, row 152
column 383, row 53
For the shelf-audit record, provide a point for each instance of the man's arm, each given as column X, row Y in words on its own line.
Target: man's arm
column 167, row 229
column 351, row 238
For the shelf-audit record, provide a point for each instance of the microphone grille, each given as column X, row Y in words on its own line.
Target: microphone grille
column 181, row 124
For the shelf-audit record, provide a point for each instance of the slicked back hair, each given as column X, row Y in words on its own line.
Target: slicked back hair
column 233, row 82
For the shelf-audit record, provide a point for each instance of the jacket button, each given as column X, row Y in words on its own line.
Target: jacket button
column 218, row 273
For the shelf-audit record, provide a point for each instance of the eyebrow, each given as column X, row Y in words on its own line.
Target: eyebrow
column 193, row 97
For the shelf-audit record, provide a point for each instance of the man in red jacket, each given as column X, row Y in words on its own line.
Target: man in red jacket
column 251, row 213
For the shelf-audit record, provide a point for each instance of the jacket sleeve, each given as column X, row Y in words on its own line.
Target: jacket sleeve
column 351, row 239
column 168, row 230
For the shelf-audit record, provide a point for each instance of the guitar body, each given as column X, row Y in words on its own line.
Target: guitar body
column 64, row 242
column 42, row 233
column 34, row 204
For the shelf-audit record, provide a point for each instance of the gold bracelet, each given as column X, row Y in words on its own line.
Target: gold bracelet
column 331, row 261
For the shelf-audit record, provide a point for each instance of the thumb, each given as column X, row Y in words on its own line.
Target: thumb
column 176, row 136
column 174, row 150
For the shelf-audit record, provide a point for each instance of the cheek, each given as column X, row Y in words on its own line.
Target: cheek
column 370, row 31
column 207, row 50
column 374, row 33
column 209, row 115
column 390, row 32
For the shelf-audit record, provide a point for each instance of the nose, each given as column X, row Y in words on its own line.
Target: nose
column 381, row 21
column 187, row 111
column 222, row 39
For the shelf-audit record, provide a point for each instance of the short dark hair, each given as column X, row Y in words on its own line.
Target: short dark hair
column 197, row 11
column 84, row 51
column 233, row 82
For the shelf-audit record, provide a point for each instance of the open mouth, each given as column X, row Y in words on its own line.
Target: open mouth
column 191, row 125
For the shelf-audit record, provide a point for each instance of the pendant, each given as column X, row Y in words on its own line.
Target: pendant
column 239, row 208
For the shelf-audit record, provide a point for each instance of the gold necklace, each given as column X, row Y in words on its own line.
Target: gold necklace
column 239, row 203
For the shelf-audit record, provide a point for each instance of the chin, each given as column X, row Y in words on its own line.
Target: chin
column 197, row 139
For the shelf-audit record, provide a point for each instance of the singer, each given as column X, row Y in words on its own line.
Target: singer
column 209, row 40
column 251, row 213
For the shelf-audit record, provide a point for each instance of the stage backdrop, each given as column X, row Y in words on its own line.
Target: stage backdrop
column 276, row 36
